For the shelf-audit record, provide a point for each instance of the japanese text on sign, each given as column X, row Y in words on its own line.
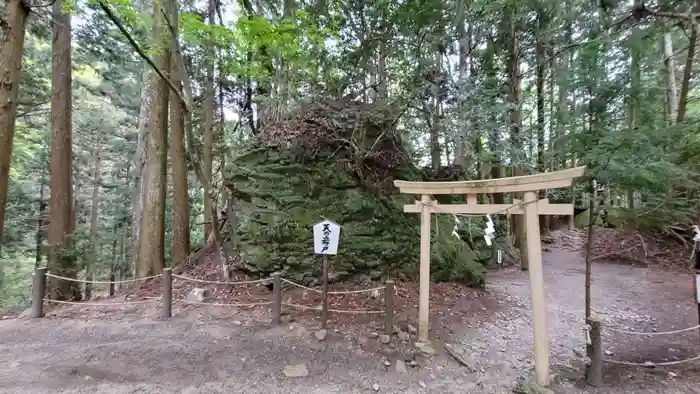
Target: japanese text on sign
column 326, row 237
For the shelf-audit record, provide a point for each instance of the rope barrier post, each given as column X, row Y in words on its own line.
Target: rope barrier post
column 112, row 285
column 276, row 298
column 167, row 293
column 38, row 292
column 696, row 282
column 324, row 314
column 594, row 351
column 389, row 307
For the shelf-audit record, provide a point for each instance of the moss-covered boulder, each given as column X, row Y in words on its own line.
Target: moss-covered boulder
column 336, row 161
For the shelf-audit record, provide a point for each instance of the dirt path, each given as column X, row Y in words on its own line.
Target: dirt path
column 628, row 298
column 185, row 355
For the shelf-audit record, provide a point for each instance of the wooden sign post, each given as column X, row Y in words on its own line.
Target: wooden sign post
column 697, row 292
column 531, row 207
column 326, row 238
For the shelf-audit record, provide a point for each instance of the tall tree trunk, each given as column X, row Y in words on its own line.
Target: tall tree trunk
column 263, row 89
column 195, row 159
column 493, row 136
column 476, row 138
column 11, row 51
column 123, row 264
column 461, row 137
column 62, row 259
column 41, row 213
column 553, row 130
column 515, row 100
column 208, row 108
column 562, row 112
column 434, row 113
column 113, row 264
column 372, row 72
column 94, row 209
column 139, row 161
column 635, row 89
column 285, row 68
column 383, row 87
column 671, row 90
column 435, row 151
column 563, row 109
column 181, row 208
column 540, row 82
column 76, row 196
column 152, row 239
column 688, row 72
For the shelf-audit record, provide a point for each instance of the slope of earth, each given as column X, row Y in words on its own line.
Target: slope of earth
column 190, row 355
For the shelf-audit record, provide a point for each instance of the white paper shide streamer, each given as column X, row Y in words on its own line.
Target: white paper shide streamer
column 489, row 230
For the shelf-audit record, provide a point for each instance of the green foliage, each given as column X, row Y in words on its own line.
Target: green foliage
column 331, row 49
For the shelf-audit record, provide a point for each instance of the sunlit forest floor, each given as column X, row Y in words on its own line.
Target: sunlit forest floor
column 204, row 350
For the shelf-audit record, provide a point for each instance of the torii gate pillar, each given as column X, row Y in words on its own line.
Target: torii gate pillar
column 531, row 207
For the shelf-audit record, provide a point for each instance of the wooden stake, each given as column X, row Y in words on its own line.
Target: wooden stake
column 167, row 293
column 276, row 298
column 324, row 316
column 424, row 303
column 112, row 289
column 696, row 284
column 389, row 308
column 38, row 292
column 539, row 312
column 594, row 351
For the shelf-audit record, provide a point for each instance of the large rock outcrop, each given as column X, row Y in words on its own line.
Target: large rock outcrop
column 336, row 160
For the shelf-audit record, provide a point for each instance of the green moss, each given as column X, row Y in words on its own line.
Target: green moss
column 291, row 192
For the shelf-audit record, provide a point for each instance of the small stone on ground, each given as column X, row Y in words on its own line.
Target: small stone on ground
column 321, row 334
column 384, row 339
column 425, row 348
column 401, row 366
column 296, row 371
column 197, row 295
column 530, row 386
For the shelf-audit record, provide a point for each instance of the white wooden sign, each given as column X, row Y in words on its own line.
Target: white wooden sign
column 326, row 237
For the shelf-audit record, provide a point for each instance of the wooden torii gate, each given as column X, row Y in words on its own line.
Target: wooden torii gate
column 531, row 207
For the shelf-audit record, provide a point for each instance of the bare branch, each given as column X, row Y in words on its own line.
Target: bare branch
column 29, row 6
column 142, row 53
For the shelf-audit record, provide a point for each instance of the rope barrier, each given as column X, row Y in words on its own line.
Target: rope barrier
column 437, row 207
column 333, row 292
column 654, row 333
column 349, row 311
column 215, row 282
column 101, row 282
column 651, row 364
column 98, row 304
column 167, row 305
column 221, row 304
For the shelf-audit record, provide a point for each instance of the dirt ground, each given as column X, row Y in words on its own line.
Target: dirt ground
column 204, row 350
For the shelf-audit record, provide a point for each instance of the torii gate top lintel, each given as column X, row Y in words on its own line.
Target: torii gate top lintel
column 541, row 181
